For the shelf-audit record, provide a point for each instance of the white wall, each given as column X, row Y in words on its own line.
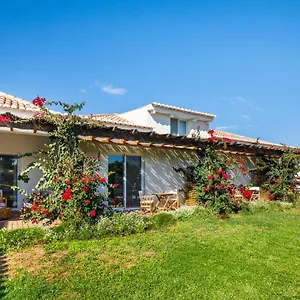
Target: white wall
column 160, row 120
column 16, row 144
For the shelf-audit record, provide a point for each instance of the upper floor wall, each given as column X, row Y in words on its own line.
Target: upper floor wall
column 166, row 119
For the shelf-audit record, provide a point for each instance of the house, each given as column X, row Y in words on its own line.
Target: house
column 142, row 147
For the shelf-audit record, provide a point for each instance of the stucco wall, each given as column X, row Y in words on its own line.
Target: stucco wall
column 16, row 144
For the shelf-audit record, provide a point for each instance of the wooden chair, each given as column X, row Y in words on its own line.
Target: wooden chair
column 5, row 212
column 255, row 190
column 147, row 202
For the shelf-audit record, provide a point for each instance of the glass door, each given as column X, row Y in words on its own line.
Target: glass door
column 126, row 171
column 116, row 175
column 133, row 180
column 8, row 177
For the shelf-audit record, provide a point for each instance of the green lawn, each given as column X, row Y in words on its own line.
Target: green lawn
column 245, row 257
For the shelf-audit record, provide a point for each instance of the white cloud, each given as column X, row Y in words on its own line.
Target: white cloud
column 83, row 91
column 234, row 127
column 109, row 89
column 239, row 99
column 245, row 117
column 226, row 127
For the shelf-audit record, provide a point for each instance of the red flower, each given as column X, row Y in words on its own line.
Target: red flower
column 90, row 179
column 271, row 197
column 114, row 201
column 93, row 213
column 68, row 181
column 222, row 217
column 292, row 187
column 84, row 180
column 46, row 211
column 237, row 203
column 34, row 206
column 275, row 181
column 239, row 160
column 211, row 132
column 115, row 185
column 85, row 189
column 38, row 101
column 233, row 192
column 67, row 195
column 227, row 140
column 205, row 189
column 87, row 201
column 4, row 119
column 102, row 179
column 247, row 194
column 243, row 169
column 210, row 177
column 211, row 139
column 226, row 191
column 33, row 221
column 218, row 172
column 221, row 186
column 225, row 176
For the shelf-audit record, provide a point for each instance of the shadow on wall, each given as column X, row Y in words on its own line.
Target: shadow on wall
column 249, row 163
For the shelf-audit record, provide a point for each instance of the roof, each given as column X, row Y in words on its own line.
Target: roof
column 189, row 111
column 114, row 119
column 241, row 138
column 12, row 102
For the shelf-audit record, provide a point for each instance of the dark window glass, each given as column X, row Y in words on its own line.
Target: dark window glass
column 8, row 177
column 174, row 126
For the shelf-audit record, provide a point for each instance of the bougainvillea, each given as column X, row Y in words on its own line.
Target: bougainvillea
column 69, row 186
column 213, row 176
column 280, row 174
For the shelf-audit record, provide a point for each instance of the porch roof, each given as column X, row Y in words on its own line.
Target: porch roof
column 133, row 137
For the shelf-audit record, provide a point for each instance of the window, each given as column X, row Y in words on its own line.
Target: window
column 178, row 127
column 8, row 177
column 127, row 172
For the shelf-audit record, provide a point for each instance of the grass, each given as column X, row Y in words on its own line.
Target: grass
column 246, row 257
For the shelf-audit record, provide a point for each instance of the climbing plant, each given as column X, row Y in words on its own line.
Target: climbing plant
column 68, row 189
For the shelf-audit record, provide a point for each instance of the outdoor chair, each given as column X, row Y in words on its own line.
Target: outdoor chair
column 147, row 202
column 255, row 190
column 5, row 212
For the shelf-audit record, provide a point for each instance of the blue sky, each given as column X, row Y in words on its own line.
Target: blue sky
column 239, row 60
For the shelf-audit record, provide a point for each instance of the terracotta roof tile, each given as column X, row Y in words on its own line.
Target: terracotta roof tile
column 12, row 102
column 189, row 111
column 241, row 138
column 114, row 119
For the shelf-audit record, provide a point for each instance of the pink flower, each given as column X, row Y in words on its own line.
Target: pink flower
column 4, row 119
column 38, row 101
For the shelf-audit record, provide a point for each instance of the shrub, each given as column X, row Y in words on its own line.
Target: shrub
column 20, row 238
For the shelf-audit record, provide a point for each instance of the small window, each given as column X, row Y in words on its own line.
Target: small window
column 174, row 126
column 178, row 127
column 182, row 127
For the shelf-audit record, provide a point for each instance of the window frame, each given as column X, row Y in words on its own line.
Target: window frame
column 178, row 121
